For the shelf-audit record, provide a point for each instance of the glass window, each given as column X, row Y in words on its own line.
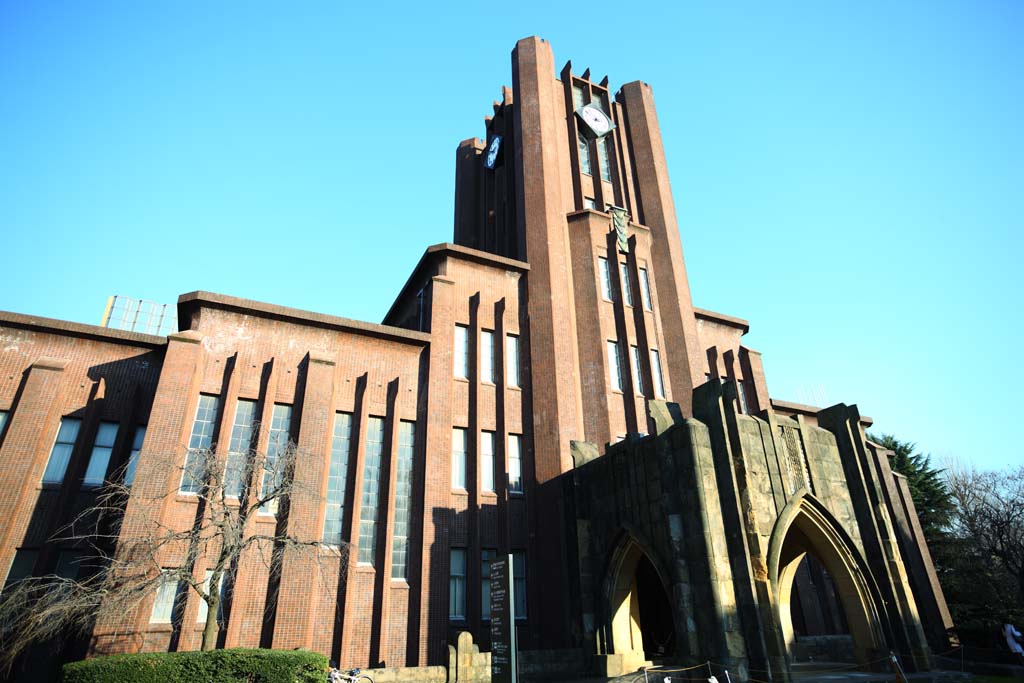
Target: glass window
column 614, row 366
column 515, row 463
column 519, row 582
column 403, row 500
column 163, row 606
column 199, row 443
column 589, row 203
column 99, row 459
column 604, row 151
column 627, row 289
column 659, row 385
column 204, row 608
column 459, row 445
column 21, row 566
column 371, row 490
column 487, row 555
column 239, row 447
column 487, row 461
column 486, row 356
column 68, row 564
column 60, row 456
column 645, row 289
column 606, row 279
column 337, row 479
column 634, row 362
column 133, row 457
column 512, row 360
column 457, row 585
column 277, row 445
column 578, row 98
column 3, row 422
column 462, row 351
column 584, row 154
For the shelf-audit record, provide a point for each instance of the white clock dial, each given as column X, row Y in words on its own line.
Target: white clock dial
column 492, row 151
column 597, row 119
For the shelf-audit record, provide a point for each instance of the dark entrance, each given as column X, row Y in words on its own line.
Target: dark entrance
column 656, row 626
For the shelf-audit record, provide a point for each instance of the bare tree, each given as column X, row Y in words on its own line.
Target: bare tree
column 129, row 544
column 990, row 516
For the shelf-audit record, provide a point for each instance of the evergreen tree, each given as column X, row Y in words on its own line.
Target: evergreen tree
column 932, row 497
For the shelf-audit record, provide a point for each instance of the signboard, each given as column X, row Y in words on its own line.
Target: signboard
column 503, row 622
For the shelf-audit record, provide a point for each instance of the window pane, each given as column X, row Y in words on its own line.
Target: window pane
column 634, row 362
column 512, row 360
column 606, row 279
column 60, row 456
column 99, row 459
column 659, row 386
column 201, row 440
column 22, row 565
column 337, row 479
column 578, row 100
column 604, row 150
column 133, row 457
column 461, row 352
column 163, row 606
column 68, row 564
column 277, row 443
column 3, row 421
column 584, row 146
column 239, row 447
column 614, row 366
column 204, row 608
column 519, row 582
column 487, row 461
column 515, row 463
column 645, row 289
column 403, row 499
column 371, row 490
column 486, row 356
column 459, row 445
column 627, row 289
column 457, row 585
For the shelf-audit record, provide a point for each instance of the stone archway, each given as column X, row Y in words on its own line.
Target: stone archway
column 642, row 624
column 805, row 527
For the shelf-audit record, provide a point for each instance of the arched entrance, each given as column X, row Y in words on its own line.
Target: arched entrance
column 805, row 528
column 642, row 621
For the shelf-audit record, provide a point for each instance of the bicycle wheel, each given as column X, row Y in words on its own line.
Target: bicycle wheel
column 363, row 678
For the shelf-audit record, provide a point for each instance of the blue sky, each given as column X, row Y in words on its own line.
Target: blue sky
column 849, row 177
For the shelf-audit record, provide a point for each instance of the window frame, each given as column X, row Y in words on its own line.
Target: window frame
column 605, row 276
column 516, row 485
column 460, row 364
column 457, row 586
column 614, row 366
column 459, row 459
column 100, row 455
column 487, row 356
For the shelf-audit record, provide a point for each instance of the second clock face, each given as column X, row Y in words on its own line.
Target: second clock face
column 595, row 118
column 492, row 152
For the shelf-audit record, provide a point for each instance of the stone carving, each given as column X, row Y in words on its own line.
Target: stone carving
column 796, row 460
column 620, row 220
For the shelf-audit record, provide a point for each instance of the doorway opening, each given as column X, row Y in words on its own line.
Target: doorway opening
column 642, row 620
column 656, row 628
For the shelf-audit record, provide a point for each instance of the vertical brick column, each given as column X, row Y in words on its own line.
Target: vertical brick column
column 540, row 137
column 753, row 370
column 658, row 212
column 301, row 583
column 31, row 430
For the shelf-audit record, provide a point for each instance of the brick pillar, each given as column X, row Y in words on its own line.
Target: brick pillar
column 753, row 370
column 683, row 358
column 301, row 583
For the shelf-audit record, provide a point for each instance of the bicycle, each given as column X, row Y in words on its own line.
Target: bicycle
column 353, row 676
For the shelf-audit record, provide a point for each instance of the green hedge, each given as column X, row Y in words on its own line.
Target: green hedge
column 216, row 666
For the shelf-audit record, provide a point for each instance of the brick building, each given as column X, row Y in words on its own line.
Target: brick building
column 542, row 386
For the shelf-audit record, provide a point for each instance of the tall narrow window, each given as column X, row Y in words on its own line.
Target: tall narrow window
column 578, row 98
column 627, row 289
column 459, row 446
column 204, row 608
column 457, row 585
column 22, row 565
column 199, row 444
column 512, row 360
column 645, row 289
column 741, row 394
column 133, row 457
column 606, row 279
column 462, row 351
column 659, row 384
column 487, row 461
column 163, row 606
column 238, row 449
column 60, row 456
column 99, row 459
column 614, row 366
column 604, row 151
column 403, row 500
column 515, row 463
column 486, row 356
column 3, row 422
column 634, row 363
column 371, row 490
column 519, row 582
column 337, row 479
column 69, row 562
column 273, row 466
column 487, row 555
column 584, row 145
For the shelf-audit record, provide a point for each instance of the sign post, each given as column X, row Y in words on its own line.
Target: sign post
column 503, row 622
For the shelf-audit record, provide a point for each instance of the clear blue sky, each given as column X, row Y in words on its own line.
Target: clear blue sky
column 849, row 176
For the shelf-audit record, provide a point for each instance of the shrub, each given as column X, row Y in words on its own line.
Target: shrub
column 237, row 665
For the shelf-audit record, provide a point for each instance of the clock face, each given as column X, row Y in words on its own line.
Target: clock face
column 492, row 152
column 596, row 120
